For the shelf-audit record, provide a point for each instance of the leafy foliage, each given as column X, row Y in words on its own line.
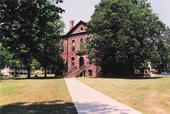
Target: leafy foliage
column 30, row 30
column 127, row 35
column 4, row 56
column 83, row 48
column 8, row 60
column 167, row 36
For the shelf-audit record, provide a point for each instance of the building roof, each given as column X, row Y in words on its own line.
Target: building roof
column 69, row 33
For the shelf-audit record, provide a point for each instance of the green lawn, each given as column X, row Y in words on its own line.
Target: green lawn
column 150, row 96
column 35, row 97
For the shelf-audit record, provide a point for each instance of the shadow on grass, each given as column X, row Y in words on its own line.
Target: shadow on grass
column 50, row 107
column 100, row 108
column 58, row 107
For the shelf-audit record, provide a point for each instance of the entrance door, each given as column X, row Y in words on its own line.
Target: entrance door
column 81, row 62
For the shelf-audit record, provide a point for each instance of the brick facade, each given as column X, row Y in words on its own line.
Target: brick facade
column 77, row 65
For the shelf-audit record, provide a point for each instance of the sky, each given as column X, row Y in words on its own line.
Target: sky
column 83, row 9
column 162, row 9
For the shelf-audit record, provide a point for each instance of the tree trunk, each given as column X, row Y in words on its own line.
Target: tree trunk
column 131, row 72
column 45, row 73
column 56, row 73
column 143, row 72
column 15, row 72
column 28, row 72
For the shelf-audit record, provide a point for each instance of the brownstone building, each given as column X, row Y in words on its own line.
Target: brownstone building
column 77, row 65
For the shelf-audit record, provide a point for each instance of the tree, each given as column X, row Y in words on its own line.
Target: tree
column 27, row 27
column 167, row 41
column 15, row 64
column 4, row 55
column 7, row 60
column 49, row 35
column 127, row 35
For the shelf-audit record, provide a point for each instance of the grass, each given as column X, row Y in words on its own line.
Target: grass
column 35, row 97
column 150, row 96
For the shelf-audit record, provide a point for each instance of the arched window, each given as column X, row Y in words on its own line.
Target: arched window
column 72, row 61
column 73, row 45
column 81, row 62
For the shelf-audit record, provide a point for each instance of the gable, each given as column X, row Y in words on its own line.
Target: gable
column 80, row 27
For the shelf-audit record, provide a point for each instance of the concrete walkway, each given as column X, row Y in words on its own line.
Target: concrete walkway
column 90, row 101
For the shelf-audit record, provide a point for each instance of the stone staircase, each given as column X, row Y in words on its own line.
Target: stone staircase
column 70, row 72
column 75, row 72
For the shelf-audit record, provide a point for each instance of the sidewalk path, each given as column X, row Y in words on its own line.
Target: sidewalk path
column 90, row 101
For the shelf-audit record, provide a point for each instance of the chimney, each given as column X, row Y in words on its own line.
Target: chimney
column 71, row 24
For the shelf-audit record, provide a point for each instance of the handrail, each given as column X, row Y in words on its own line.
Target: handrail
column 82, row 67
column 80, row 70
column 70, row 71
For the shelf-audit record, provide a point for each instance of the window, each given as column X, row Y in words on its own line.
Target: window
column 72, row 61
column 73, row 45
column 62, row 46
column 81, row 29
column 90, row 72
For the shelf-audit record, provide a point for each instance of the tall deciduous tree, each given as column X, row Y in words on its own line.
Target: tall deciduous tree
column 167, row 40
column 127, row 35
column 49, row 35
column 4, row 56
column 30, row 30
